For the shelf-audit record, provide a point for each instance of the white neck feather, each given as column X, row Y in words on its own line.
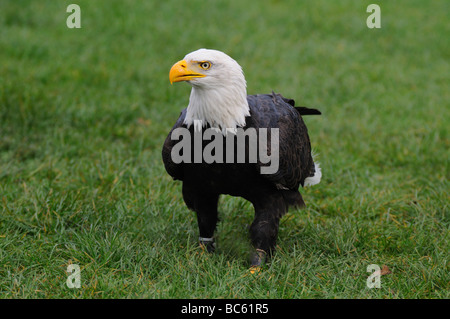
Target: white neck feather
column 221, row 106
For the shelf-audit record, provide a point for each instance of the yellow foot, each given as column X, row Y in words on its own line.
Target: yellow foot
column 255, row 269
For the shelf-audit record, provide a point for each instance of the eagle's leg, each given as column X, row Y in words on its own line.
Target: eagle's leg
column 205, row 205
column 264, row 229
column 207, row 222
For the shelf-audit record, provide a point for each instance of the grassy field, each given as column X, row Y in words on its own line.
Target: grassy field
column 84, row 113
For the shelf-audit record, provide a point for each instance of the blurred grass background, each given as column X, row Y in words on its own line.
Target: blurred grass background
column 84, row 113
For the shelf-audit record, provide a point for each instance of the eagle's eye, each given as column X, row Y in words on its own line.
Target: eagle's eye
column 205, row 65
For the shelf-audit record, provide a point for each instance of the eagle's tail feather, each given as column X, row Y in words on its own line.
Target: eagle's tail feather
column 315, row 179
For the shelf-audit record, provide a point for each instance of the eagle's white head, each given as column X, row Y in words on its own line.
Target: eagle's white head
column 219, row 94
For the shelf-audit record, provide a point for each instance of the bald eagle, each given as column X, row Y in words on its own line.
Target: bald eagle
column 219, row 101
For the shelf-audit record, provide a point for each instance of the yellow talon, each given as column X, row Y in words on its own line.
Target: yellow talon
column 254, row 269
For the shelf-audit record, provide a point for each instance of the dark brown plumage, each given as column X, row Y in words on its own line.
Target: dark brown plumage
column 271, row 195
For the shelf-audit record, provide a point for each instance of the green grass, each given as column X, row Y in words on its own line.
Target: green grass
column 84, row 113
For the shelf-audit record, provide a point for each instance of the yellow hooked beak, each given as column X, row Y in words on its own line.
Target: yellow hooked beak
column 180, row 71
